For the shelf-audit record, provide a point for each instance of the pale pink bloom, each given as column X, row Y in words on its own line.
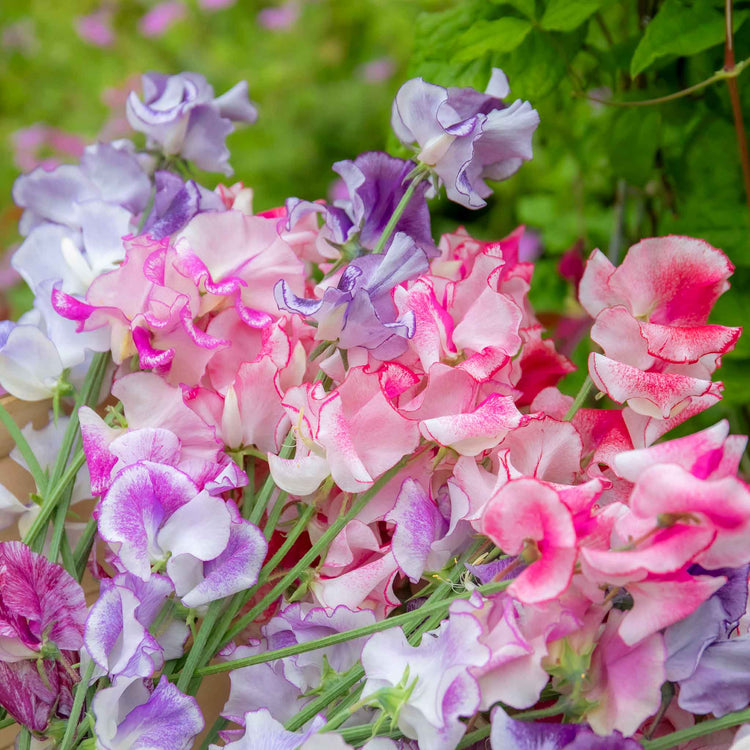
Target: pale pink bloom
column 96, row 28
column 30, row 143
column 379, row 70
column 517, row 636
column 280, row 17
column 161, row 18
column 353, row 433
column 625, row 680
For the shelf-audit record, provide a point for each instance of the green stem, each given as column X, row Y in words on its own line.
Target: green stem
column 580, row 398
column 698, row 730
column 472, row 737
column 8, row 721
column 239, row 599
column 196, row 652
column 24, row 739
column 50, row 502
column 28, row 455
column 720, row 75
column 83, row 548
column 213, row 733
column 348, row 635
column 445, row 589
column 362, row 733
column 262, row 498
column 75, row 712
column 420, row 175
column 60, row 475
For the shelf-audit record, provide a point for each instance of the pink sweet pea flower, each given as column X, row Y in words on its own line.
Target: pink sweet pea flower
column 651, row 315
column 527, row 518
column 353, row 433
column 161, row 18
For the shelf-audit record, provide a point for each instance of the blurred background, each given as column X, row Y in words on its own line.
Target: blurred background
column 607, row 170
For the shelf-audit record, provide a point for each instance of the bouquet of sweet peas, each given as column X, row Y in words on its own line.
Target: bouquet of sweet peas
column 330, row 459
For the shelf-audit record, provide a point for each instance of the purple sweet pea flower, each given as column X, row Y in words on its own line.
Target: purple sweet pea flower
column 465, row 136
column 301, row 623
column 40, row 604
column 444, row 689
column 263, row 732
column 176, row 202
column 119, row 631
column 129, row 715
column 374, row 184
column 510, row 734
column 712, row 668
column 154, row 514
column 359, row 311
column 180, row 115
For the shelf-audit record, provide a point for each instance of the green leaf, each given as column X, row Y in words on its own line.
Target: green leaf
column 681, row 29
column 566, row 15
column 501, row 35
column 527, row 7
column 536, row 67
column 634, row 142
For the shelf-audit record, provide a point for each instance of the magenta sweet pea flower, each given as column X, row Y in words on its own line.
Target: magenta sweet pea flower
column 180, row 115
column 39, row 604
column 465, row 136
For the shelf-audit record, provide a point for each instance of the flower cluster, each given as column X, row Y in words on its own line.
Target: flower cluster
column 340, row 446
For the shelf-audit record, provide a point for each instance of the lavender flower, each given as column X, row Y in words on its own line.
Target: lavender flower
column 180, row 115
column 510, row 734
column 374, row 184
column 129, row 715
column 176, row 202
column 359, row 311
column 119, row 628
column 444, row 689
column 712, row 669
column 465, row 136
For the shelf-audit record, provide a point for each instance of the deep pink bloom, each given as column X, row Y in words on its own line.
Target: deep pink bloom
column 39, row 604
column 527, row 517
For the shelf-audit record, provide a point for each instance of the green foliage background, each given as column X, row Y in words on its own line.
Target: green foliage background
column 602, row 176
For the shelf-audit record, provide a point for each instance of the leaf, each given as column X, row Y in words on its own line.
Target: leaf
column 527, row 7
column 535, row 68
column 634, row 142
column 566, row 15
column 681, row 29
column 501, row 35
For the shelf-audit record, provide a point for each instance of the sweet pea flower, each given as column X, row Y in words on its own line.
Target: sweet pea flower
column 119, row 627
column 129, row 715
column 511, row 734
column 527, row 517
column 153, row 514
column 359, row 310
column 651, row 321
column 465, row 136
column 444, row 689
column 40, row 605
column 372, row 186
column 180, row 115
